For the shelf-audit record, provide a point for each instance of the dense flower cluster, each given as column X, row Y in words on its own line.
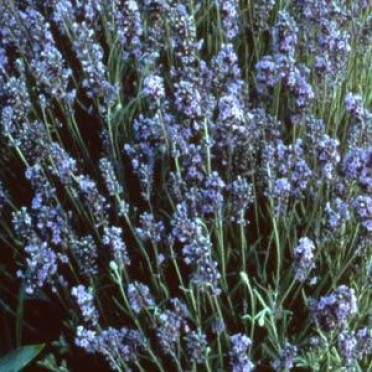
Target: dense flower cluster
column 174, row 175
column 238, row 353
column 335, row 310
column 303, row 259
column 139, row 297
column 285, row 361
column 355, row 345
column 196, row 346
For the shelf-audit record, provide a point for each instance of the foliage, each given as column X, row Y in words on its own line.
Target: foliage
column 190, row 183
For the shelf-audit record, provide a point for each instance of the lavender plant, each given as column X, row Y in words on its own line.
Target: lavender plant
column 190, row 182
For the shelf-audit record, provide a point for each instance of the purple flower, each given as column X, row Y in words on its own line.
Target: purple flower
column 241, row 198
column 86, row 339
column 91, row 57
column 168, row 330
column 261, row 14
column 139, row 297
column 354, row 105
column 297, row 83
column 206, row 275
column 226, row 73
column 285, row 35
column 95, row 202
column 86, row 253
column 196, row 345
column 363, row 208
column 286, row 359
column 337, row 212
column 64, row 164
column 334, row 311
column 85, row 301
column 212, row 199
column 42, row 265
column 153, row 87
column 303, row 259
column 238, row 353
column 112, row 237
column 127, row 24
column 286, row 173
column 108, row 172
column 183, row 227
column 120, row 344
column 328, row 156
column 357, row 166
column 188, row 99
column 230, row 17
column 354, row 346
column 116, row 345
column 266, row 74
column 150, row 229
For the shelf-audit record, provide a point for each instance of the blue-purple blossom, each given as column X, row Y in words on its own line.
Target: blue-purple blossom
column 357, row 166
column 90, row 55
column 85, row 251
column 239, row 359
column 150, row 229
column 120, row 344
column 116, row 345
column 354, row 105
column 139, row 297
column 127, row 24
column 363, row 209
column 113, row 238
column 261, row 14
column 334, row 311
column 328, row 156
column 285, row 35
column 63, row 165
column 184, row 228
column 108, row 173
column 94, row 201
column 285, row 361
column 334, row 43
column 197, row 250
column 188, row 99
column 324, row 37
column 207, row 276
column 226, row 77
column 266, row 74
column 85, row 301
column 196, row 346
column 212, row 199
column 303, row 259
column 42, row 265
column 286, row 171
column 241, row 198
column 153, row 87
column 355, row 345
column 16, row 106
column 337, row 212
column 230, row 17
column 168, row 330
column 86, row 339
column 298, row 85
column 35, row 39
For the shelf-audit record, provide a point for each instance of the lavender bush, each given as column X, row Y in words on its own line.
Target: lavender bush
column 188, row 184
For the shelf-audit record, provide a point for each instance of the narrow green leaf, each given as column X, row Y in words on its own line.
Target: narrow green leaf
column 19, row 358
